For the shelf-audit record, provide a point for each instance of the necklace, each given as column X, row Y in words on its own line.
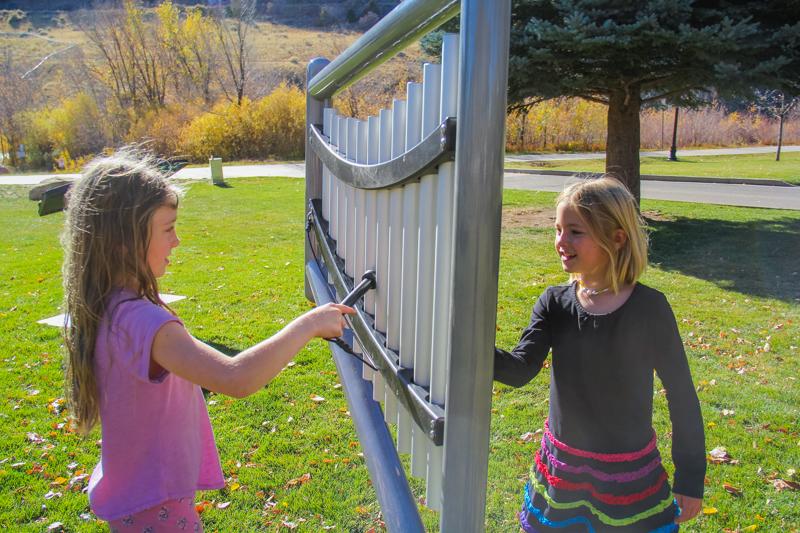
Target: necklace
column 588, row 291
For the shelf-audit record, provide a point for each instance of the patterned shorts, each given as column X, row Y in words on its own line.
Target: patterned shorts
column 173, row 515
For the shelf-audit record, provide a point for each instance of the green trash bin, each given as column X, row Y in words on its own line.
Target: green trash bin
column 215, row 163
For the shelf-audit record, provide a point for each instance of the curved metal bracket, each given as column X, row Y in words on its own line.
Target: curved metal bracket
column 435, row 149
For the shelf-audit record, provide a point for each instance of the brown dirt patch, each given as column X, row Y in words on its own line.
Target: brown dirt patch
column 526, row 217
column 656, row 216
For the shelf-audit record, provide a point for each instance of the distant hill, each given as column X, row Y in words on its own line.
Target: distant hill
column 303, row 13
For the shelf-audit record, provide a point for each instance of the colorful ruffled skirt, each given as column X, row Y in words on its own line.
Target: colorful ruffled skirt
column 573, row 490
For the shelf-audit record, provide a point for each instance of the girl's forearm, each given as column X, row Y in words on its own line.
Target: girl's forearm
column 253, row 368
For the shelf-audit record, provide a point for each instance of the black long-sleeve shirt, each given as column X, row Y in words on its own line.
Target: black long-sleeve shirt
column 601, row 389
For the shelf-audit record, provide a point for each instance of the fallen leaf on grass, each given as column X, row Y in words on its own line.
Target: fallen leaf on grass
column 730, row 489
column 528, row 437
column 50, row 495
column 783, row 484
column 720, row 455
column 317, row 399
column 55, row 526
column 200, row 507
column 35, row 438
column 305, row 478
column 285, row 523
column 223, row 505
column 710, row 510
column 56, row 406
column 234, row 486
column 78, row 480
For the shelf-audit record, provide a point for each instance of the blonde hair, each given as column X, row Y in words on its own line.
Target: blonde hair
column 105, row 240
column 605, row 205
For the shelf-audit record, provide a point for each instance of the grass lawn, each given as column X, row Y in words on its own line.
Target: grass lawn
column 732, row 275
column 726, row 166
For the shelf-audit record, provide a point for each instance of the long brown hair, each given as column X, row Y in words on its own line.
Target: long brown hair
column 105, row 239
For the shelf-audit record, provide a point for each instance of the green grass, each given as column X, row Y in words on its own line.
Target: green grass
column 730, row 273
column 762, row 166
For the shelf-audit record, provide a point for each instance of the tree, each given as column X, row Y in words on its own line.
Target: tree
column 626, row 54
column 777, row 104
column 191, row 52
column 235, row 44
column 17, row 93
column 136, row 66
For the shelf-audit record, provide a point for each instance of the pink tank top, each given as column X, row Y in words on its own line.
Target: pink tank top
column 157, row 443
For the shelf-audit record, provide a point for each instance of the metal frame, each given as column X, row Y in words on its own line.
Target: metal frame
column 483, row 72
column 403, row 25
column 483, row 82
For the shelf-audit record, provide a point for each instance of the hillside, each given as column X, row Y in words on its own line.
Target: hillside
column 53, row 43
column 72, row 82
column 300, row 13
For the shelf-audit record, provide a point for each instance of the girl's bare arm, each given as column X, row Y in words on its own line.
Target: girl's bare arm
column 175, row 350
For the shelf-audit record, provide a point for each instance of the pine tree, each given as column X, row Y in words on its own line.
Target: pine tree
column 625, row 54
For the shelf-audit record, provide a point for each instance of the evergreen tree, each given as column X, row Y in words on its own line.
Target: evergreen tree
column 627, row 53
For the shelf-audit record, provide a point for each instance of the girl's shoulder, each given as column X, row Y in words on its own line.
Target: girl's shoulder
column 127, row 308
column 557, row 291
column 558, row 296
column 649, row 295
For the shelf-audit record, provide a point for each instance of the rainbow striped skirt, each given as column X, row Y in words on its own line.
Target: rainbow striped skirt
column 573, row 490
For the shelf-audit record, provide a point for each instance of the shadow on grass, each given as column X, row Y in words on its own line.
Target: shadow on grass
column 757, row 258
column 227, row 350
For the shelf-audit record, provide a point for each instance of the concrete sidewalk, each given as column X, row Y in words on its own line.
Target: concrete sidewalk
column 290, row 170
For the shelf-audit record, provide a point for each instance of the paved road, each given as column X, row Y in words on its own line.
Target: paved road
column 712, row 193
column 704, row 193
column 659, row 153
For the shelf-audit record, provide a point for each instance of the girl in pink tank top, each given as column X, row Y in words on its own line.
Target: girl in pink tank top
column 127, row 351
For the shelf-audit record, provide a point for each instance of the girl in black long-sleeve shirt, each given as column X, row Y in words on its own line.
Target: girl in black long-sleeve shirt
column 598, row 468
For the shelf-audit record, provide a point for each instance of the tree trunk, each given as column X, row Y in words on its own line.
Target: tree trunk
column 780, row 138
column 622, row 142
column 673, row 149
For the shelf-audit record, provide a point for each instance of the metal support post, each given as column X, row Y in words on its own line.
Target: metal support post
column 483, row 74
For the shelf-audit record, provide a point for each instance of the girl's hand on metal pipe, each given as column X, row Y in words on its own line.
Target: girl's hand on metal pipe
column 327, row 320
